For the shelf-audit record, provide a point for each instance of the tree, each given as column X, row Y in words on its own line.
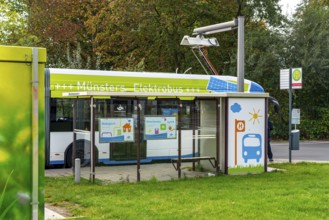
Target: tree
column 148, row 32
column 13, row 24
column 62, row 31
column 151, row 31
column 309, row 47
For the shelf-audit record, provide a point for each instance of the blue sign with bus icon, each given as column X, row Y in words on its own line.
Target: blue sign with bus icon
column 252, row 147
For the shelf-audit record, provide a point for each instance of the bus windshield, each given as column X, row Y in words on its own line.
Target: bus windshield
column 252, row 142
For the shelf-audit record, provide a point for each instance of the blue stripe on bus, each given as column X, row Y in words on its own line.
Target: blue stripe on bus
column 57, row 162
column 254, row 87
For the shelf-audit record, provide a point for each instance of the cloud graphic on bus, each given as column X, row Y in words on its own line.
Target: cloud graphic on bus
column 236, row 108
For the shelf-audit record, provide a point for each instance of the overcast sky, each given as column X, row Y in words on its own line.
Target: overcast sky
column 289, row 6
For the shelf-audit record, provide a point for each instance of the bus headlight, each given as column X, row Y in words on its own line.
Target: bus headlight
column 245, row 153
column 258, row 152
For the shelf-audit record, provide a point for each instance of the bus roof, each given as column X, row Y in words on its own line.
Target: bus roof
column 75, row 80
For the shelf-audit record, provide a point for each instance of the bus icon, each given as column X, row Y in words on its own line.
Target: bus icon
column 252, row 147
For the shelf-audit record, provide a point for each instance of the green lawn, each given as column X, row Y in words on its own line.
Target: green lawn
column 300, row 192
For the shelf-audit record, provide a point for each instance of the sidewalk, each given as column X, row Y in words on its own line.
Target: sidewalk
column 49, row 214
column 128, row 173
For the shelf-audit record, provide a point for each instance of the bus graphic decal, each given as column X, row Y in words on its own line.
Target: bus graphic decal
column 252, row 147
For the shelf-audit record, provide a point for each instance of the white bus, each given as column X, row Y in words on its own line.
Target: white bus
column 59, row 129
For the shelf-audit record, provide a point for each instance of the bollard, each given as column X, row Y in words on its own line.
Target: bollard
column 77, row 170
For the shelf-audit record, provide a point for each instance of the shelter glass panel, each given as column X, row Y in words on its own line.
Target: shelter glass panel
column 122, row 108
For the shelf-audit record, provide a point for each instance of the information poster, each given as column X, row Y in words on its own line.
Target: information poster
column 160, row 128
column 114, row 130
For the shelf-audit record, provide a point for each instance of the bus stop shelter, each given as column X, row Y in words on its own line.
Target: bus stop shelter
column 238, row 141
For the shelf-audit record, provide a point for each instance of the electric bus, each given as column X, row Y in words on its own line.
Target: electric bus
column 59, row 127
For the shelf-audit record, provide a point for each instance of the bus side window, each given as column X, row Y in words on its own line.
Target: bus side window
column 169, row 108
column 61, row 115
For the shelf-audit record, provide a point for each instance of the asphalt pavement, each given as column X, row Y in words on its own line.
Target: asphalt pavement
column 317, row 151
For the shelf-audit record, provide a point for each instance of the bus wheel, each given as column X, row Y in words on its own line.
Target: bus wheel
column 82, row 152
column 68, row 157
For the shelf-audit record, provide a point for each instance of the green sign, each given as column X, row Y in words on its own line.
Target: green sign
column 296, row 78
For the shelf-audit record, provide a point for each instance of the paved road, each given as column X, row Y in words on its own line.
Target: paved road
column 308, row 151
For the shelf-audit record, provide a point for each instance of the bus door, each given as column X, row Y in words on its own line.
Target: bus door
column 127, row 150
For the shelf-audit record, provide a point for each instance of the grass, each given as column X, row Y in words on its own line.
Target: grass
column 4, row 210
column 250, row 169
column 300, row 192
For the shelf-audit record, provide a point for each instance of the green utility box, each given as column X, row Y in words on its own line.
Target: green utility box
column 22, row 132
column 295, row 134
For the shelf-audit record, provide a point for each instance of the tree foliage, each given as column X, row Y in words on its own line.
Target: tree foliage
column 145, row 35
column 13, row 24
column 309, row 49
column 134, row 32
column 59, row 24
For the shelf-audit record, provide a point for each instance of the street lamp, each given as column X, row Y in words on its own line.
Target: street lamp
column 200, row 42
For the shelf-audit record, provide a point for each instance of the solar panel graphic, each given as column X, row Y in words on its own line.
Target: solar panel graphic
column 228, row 84
column 218, row 85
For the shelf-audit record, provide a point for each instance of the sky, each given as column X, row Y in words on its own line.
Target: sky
column 288, row 6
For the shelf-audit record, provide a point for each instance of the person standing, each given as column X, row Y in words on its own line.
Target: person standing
column 269, row 150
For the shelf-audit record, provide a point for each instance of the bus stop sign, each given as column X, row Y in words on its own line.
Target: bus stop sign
column 296, row 78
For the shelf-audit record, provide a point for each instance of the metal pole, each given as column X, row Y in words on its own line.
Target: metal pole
column 222, row 137
column 215, row 28
column 92, row 141
column 197, row 127
column 93, row 135
column 266, row 135
column 226, row 136
column 35, row 133
column 240, row 68
column 193, row 112
column 179, row 162
column 217, row 135
column 138, row 141
column 290, row 113
column 74, row 147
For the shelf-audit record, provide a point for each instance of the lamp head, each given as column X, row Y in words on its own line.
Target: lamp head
column 199, row 41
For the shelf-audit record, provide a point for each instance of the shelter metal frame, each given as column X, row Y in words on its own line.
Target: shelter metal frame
column 221, row 133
